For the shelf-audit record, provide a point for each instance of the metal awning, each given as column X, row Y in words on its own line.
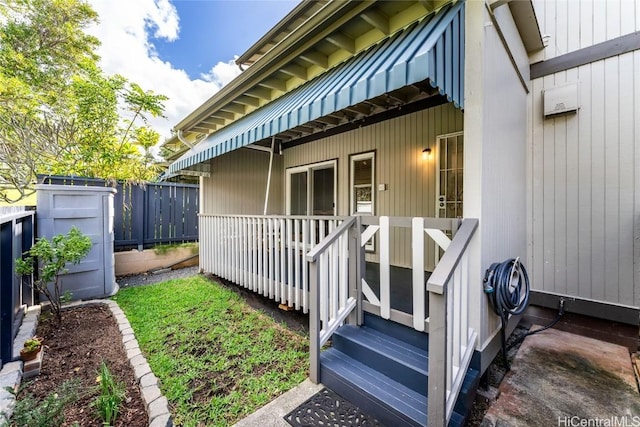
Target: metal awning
column 432, row 50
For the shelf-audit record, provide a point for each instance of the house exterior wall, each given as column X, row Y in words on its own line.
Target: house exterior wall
column 495, row 154
column 238, row 179
column 583, row 167
column 573, row 25
column 237, row 184
column 410, row 180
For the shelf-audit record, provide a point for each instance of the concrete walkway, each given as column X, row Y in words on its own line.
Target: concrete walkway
column 562, row 379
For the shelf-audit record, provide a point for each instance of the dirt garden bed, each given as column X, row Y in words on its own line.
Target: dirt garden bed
column 74, row 350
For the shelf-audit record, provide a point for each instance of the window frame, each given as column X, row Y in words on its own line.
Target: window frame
column 369, row 247
column 309, row 168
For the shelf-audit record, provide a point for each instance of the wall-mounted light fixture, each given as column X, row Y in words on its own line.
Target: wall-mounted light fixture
column 426, row 153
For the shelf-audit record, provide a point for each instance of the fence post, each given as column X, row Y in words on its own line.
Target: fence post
column 437, row 385
column 6, row 291
column 314, row 323
column 28, row 297
column 355, row 272
column 360, row 267
column 138, row 214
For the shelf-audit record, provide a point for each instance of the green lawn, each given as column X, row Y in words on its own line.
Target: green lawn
column 217, row 358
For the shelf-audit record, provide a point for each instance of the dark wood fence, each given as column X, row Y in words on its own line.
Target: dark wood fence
column 17, row 226
column 149, row 214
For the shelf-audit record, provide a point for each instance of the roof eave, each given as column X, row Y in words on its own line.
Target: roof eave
column 322, row 22
column 281, row 27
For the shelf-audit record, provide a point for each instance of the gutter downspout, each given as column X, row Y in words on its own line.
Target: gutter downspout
column 184, row 141
column 266, row 196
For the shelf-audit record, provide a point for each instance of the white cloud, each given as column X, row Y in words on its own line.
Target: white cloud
column 127, row 50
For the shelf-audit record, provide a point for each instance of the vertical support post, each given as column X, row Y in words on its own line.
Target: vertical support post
column 419, row 288
column 139, row 214
column 28, row 297
column 385, row 268
column 360, row 268
column 438, row 363
column 266, row 195
column 6, row 291
column 314, row 323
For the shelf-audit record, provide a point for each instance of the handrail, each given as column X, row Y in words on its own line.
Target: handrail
column 314, row 253
column 451, row 338
column 15, row 215
column 449, row 261
column 332, row 299
column 315, row 217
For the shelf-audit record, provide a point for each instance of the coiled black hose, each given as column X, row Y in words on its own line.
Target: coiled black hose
column 507, row 285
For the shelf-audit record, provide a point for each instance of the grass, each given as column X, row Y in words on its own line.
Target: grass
column 217, row 358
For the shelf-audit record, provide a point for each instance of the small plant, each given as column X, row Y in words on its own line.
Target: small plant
column 32, row 344
column 112, row 393
column 30, row 349
column 53, row 256
column 49, row 412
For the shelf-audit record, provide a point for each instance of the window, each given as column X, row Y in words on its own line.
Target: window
column 362, row 191
column 311, row 189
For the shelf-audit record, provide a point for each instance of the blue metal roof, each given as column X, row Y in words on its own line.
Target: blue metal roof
column 431, row 49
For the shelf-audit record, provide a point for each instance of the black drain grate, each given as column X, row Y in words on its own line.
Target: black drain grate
column 325, row 408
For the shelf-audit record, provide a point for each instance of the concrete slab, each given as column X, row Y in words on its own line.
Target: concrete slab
column 561, row 379
column 272, row 413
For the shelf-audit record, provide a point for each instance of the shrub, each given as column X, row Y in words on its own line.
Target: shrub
column 53, row 256
column 49, row 412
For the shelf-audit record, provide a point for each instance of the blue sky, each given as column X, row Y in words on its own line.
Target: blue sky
column 217, row 30
column 183, row 49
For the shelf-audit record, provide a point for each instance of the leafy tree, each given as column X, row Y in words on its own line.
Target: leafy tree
column 59, row 113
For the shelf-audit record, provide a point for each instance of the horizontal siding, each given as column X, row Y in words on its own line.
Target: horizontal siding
column 576, row 24
column 584, row 185
column 237, row 184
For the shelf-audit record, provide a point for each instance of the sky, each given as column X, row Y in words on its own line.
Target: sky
column 183, row 49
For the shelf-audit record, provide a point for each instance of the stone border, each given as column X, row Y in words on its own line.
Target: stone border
column 156, row 404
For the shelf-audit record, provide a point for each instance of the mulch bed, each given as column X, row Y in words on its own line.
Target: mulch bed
column 75, row 349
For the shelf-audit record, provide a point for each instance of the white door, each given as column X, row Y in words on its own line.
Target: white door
column 450, row 168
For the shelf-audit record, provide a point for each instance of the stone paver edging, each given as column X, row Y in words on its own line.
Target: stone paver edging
column 156, row 404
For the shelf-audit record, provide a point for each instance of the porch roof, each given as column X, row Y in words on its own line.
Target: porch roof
column 430, row 50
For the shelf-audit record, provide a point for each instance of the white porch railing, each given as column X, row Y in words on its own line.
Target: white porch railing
column 380, row 305
column 264, row 253
column 334, row 273
column 451, row 339
column 267, row 255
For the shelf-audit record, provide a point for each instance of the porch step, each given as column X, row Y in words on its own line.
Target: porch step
column 385, row 375
column 389, row 401
column 385, row 354
column 392, row 403
column 401, row 332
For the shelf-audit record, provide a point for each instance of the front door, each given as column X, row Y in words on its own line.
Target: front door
column 449, row 185
column 449, row 180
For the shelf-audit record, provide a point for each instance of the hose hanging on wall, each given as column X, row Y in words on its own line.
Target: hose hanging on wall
column 507, row 285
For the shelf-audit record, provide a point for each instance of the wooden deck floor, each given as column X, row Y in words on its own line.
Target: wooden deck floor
column 401, row 286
